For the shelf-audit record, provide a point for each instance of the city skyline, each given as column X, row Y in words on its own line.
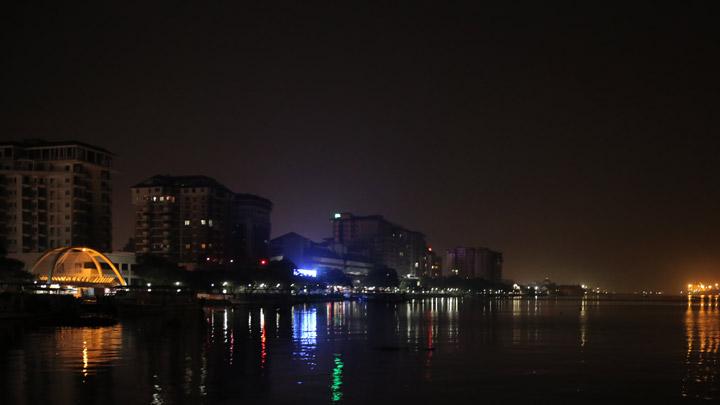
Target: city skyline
column 584, row 152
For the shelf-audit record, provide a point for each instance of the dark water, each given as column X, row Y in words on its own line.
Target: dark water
column 434, row 350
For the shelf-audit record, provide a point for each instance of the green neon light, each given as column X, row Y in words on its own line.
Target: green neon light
column 336, row 386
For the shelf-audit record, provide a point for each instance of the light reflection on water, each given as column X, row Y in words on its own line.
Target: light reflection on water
column 423, row 349
column 88, row 348
column 305, row 332
column 702, row 332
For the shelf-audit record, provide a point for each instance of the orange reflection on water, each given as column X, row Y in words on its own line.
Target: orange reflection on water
column 87, row 349
column 702, row 336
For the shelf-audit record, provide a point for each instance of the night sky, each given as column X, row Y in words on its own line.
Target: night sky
column 580, row 140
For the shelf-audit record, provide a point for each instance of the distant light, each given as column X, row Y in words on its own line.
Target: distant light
column 263, row 262
column 224, row 291
column 337, row 215
column 232, row 260
column 305, row 273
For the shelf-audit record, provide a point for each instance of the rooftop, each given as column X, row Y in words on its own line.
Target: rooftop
column 198, row 181
column 42, row 143
column 350, row 216
column 179, row 181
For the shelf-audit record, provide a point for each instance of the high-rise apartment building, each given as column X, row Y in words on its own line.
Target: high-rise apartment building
column 250, row 235
column 196, row 220
column 470, row 262
column 384, row 242
column 431, row 265
column 54, row 194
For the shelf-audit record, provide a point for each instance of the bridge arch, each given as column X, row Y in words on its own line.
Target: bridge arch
column 76, row 265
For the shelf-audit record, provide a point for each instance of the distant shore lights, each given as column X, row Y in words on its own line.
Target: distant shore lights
column 701, row 288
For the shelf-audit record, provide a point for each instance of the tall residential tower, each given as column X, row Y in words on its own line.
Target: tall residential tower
column 196, row 220
column 54, row 194
column 474, row 262
column 386, row 243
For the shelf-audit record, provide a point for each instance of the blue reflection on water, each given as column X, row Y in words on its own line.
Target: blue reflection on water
column 304, row 320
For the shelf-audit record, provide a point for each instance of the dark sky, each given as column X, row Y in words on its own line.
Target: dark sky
column 578, row 139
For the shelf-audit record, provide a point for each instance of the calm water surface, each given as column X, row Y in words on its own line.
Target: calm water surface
column 441, row 349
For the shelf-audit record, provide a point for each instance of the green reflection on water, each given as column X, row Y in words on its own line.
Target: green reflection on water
column 336, row 387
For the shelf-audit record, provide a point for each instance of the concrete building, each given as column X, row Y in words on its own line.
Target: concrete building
column 307, row 254
column 196, row 220
column 124, row 262
column 250, row 236
column 470, row 262
column 54, row 194
column 385, row 243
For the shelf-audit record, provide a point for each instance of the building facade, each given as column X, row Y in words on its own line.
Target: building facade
column 125, row 263
column 308, row 254
column 196, row 220
column 474, row 262
column 54, row 194
column 431, row 265
column 384, row 242
column 250, row 235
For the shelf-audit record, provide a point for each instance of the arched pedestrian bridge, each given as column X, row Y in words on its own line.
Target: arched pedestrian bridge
column 77, row 265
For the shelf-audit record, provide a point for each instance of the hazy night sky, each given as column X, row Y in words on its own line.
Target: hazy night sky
column 579, row 140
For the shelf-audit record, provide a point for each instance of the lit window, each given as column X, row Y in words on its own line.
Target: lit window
column 209, row 222
column 202, row 222
column 202, row 245
column 187, row 222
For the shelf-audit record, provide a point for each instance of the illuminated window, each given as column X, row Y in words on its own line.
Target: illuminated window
column 209, row 222
column 187, row 222
column 202, row 222
column 202, row 246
